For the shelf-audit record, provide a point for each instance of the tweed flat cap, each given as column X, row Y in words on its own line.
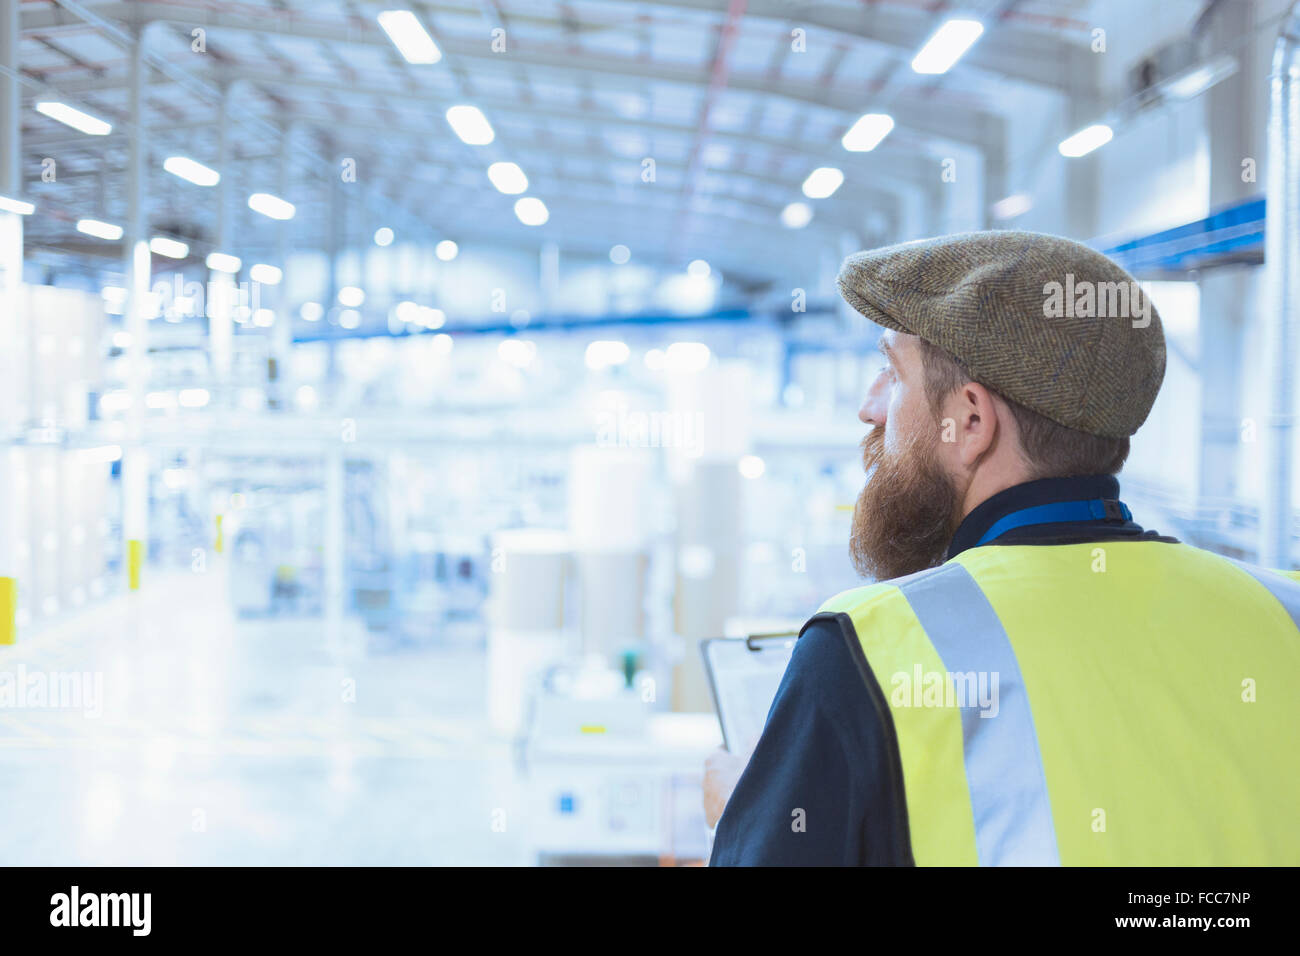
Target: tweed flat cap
column 1043, row 320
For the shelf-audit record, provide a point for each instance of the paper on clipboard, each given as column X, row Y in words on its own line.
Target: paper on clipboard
column 744, row 674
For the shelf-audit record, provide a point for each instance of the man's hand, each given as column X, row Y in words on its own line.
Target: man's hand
column 722, row 772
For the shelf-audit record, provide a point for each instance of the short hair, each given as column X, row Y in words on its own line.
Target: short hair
column 1051, row 450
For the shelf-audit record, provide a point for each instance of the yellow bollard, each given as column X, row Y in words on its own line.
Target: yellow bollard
column 134, row 559
column 8, row 610
column 220, row 544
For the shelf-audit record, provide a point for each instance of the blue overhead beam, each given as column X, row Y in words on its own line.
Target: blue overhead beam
column 1233, row 234
column 553, row 323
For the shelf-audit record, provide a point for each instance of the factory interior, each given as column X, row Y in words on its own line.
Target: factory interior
column 395, row 395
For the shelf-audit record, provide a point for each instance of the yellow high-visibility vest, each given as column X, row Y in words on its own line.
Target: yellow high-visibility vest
column 1101, row 703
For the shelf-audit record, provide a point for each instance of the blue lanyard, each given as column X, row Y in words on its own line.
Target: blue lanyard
column 1058, row 511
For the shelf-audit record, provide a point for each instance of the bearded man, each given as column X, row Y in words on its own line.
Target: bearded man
column 1034, row 678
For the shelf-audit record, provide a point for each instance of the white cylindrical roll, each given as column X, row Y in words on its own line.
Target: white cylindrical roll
column 527, row 580
column 611, row 602
column 516, row 661
column 608, row 488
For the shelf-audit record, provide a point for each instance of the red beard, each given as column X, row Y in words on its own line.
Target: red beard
column 906, row 514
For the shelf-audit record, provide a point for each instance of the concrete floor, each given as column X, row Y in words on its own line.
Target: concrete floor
column 226, row 741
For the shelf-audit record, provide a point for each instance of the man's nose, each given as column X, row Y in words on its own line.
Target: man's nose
column 874, row 405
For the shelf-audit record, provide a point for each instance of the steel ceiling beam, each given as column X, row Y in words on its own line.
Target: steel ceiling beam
column 918, row 113
column 1014, row 54
column 1018, row 55
column 847, row 197
column 887, row 164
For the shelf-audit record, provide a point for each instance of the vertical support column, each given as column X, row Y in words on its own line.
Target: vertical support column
column 10, row 100
column 1282, row 323
column 1083, row 173
column 994, row 185
column 335, row 244
column 220, row 284
column 910, row 223
column 334, row 603
column 851, row 321
column 135, row 458
column 1082, row 179
column 336, row 232
column 710, row 516
column 1228, row 294
column 11, row 307
column 550, row 277
column 282, row 327
column 934, row 207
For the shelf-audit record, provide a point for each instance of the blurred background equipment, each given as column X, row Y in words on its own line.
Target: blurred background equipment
column 393, row 397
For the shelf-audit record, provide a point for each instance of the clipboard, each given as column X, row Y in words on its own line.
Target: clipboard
column 744, row 674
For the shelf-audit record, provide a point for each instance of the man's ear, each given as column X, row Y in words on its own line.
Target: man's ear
column 975, row 422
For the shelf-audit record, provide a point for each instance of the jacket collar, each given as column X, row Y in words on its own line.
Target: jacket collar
column 1029, row 494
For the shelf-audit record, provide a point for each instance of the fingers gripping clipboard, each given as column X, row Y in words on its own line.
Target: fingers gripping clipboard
column 744, row 674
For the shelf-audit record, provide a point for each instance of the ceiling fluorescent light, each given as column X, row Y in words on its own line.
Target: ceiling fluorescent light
column 866, row 134
column 271, row 206
column 822, row 182
column 532, row 211
column 469, row 123
column 1086, row 140
column 223, row 262
column 171, row 248
column 16, row 205
column 70, row 116
column 1011, row 206
column 796, row 215
column 265, row 274
column 191, row 171
column 99, row 229
column 947, row 45
column 409, row 36
column 508, row 178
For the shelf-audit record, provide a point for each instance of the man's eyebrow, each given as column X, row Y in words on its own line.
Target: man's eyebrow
column 884, row 348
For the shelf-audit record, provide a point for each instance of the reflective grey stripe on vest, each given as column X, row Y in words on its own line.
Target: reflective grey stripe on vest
column 1280, row 586
column 1008, row 790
